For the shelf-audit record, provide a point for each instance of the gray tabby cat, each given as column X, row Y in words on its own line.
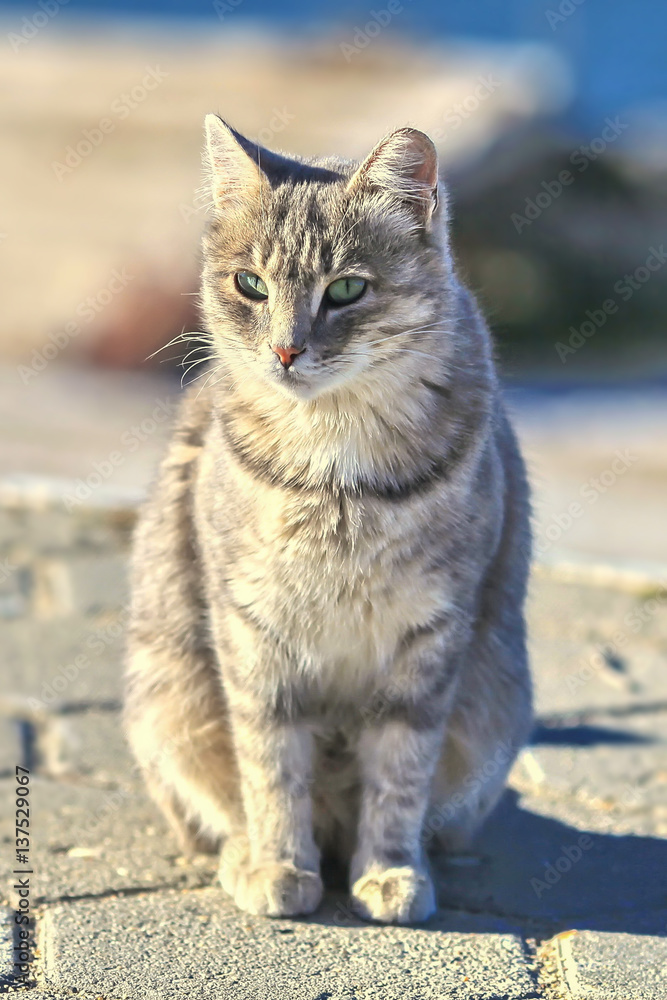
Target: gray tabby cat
column 327, row 641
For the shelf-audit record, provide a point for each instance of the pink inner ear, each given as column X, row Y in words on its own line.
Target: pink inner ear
column 427, row 173
column 404, row 164
column 425, row 169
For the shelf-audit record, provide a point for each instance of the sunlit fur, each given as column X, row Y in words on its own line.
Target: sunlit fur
column 327, row 640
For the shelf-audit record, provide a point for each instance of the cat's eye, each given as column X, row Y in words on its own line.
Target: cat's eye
column 344, row 291
column 251, row 285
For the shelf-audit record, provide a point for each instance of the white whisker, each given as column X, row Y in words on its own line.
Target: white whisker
column 194, row 364
column 181, row 338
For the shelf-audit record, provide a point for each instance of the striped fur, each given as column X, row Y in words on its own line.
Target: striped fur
column 327, row 641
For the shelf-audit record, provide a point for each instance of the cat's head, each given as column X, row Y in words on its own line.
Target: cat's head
column 317, row 271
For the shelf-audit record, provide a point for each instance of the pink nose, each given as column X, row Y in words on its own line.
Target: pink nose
column 286, row 354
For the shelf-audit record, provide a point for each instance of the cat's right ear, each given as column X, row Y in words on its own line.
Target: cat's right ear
column 404, row 166
column 234, row 165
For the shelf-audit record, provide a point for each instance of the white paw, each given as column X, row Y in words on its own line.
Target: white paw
column 394, row 895
column 278, row 889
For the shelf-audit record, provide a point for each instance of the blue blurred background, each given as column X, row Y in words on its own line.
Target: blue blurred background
column 615, row 50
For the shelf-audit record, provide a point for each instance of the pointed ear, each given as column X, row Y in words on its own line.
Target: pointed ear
column 235, row 173
column 403, row 164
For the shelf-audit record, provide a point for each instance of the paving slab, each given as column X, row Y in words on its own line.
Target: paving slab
column 596, row 647
column 66, row 659
column 599, row 966
column 94, row 747
column 195, row 944
column 89, row 840
column 614, row 767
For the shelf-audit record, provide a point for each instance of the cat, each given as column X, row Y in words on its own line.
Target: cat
column 326, row 654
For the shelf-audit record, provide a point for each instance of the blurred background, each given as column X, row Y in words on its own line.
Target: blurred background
column 550, row 117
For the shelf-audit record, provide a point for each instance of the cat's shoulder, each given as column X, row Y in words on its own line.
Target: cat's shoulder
column 190, row 427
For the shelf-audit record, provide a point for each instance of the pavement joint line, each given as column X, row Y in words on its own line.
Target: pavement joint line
column 617, row 574
column 81, row 779
column 580, row 797
column 584, row 714
column 565, row 962
column 76, row 778
column 41, row 947
column 110, row 705
column 529, row 947
column 122, row 893
column 474, row 911
column 549, row 977
column 35, row 966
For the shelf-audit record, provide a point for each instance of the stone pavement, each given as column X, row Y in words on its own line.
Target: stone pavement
column 563, row 896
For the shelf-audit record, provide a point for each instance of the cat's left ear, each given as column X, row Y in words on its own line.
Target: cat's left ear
column 403, row 164
column 237, row 167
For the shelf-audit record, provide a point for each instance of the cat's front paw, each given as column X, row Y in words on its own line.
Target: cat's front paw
column 278, row 890
column 394, row 895
column 274, row 890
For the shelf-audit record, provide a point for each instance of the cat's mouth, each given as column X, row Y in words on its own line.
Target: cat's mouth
column 288, row 376
column 309, row 376
column 295, row 382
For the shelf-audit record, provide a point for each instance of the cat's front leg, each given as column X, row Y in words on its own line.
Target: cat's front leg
column 274, row 869
column 389, row 876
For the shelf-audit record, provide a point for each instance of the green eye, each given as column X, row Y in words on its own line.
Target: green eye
column 344, row 291
column 251, row 285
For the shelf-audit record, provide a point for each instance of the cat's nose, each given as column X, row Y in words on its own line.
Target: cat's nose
column 286, row 354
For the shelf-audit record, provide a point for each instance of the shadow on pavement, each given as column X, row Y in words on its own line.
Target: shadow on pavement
column 584, row 736
column 540, row 874
column 534, row 868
